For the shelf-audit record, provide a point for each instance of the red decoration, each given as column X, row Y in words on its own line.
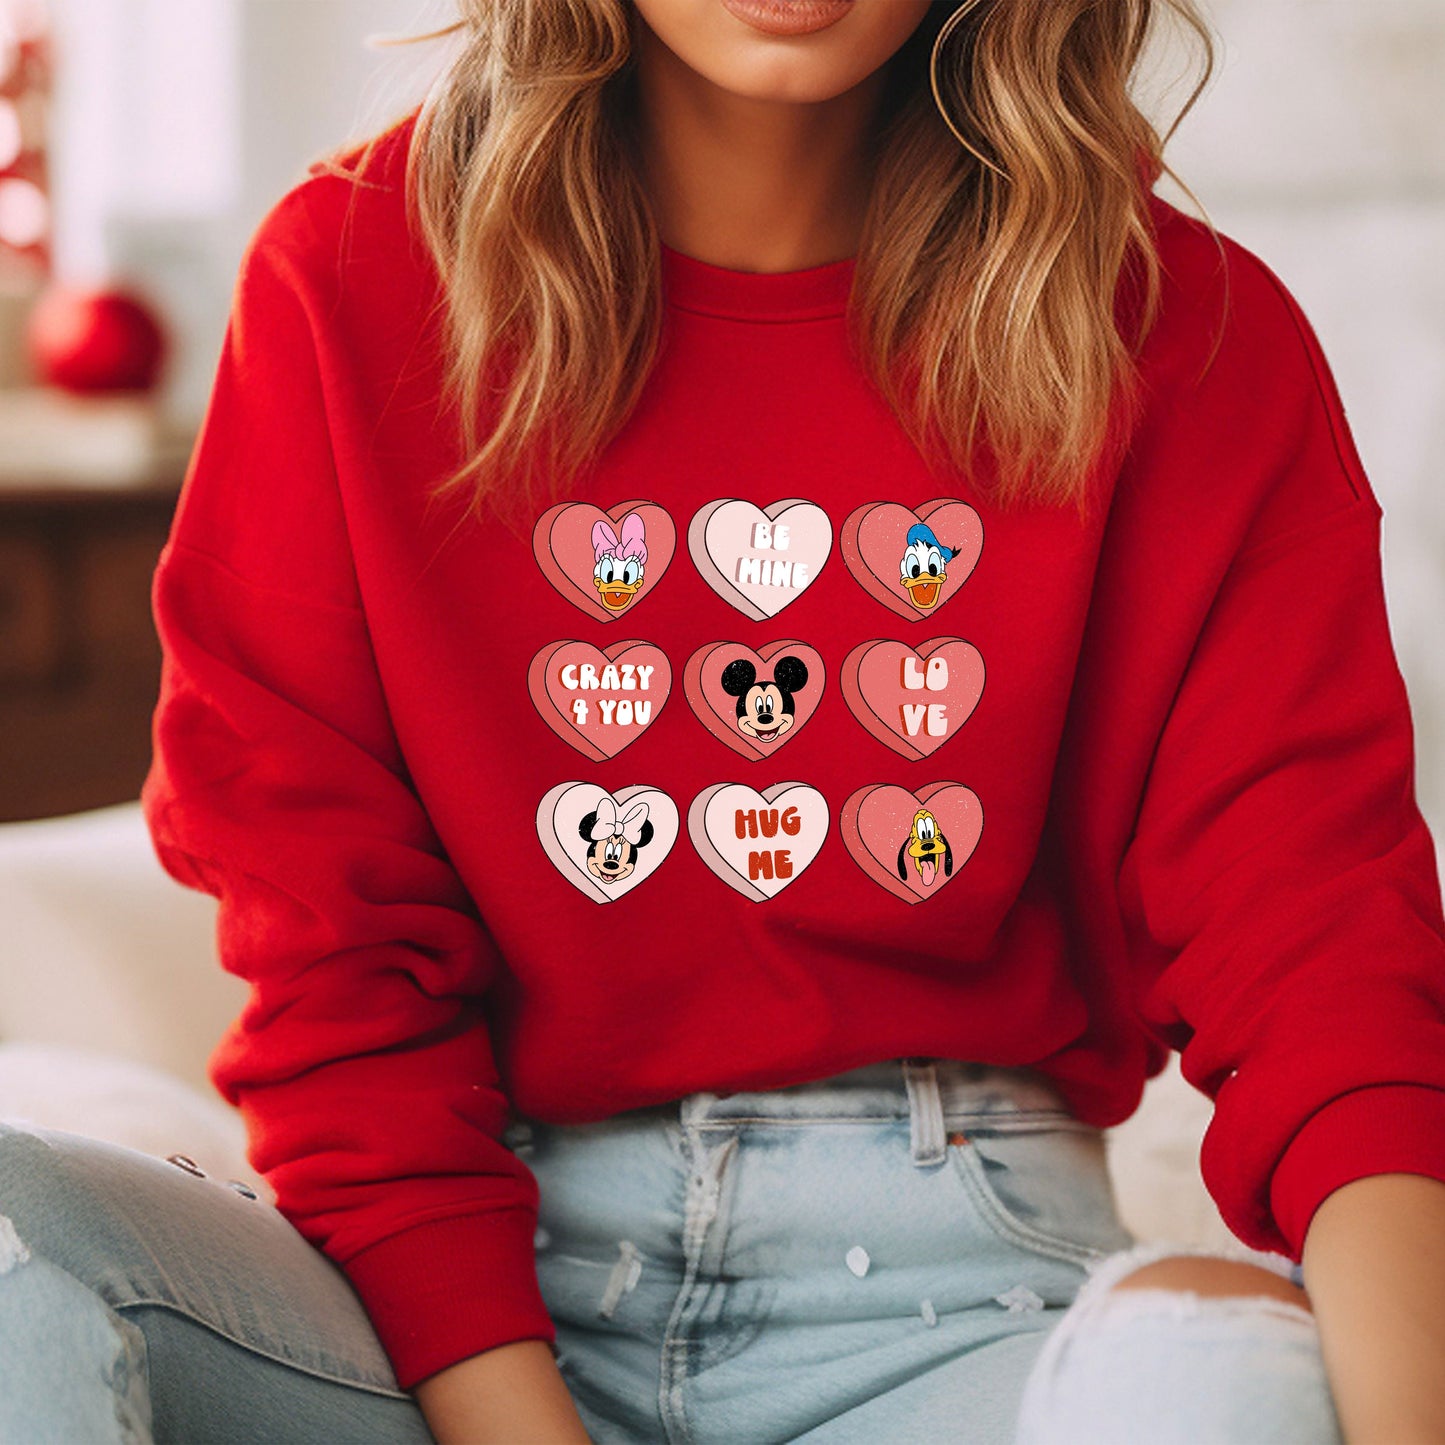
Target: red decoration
column 26, row 65
column 95, row 340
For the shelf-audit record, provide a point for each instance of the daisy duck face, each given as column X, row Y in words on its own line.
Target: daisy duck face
column 621, row 557
column 925, row 567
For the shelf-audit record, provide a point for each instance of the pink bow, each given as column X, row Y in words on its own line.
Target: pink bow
column 632, row 542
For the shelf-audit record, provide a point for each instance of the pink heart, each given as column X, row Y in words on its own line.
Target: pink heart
column 760, row 560
column 913, row 699
column 758, row 843
column 882, row 830
column 598, row 701
column 717, row 708
column 642, row 849
column 876, row 550
column 570, row 538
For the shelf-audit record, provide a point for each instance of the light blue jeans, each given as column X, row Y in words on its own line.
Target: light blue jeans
column 910, row 1251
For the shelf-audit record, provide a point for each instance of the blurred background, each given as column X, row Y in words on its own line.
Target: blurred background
column 140, row 143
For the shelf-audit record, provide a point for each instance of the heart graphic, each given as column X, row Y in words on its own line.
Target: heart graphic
column 913, row 699
column 604, row 844
column 760, row 560
column 912, row 562
column 757, row 842
column 754, row 701
column 599, row 701
column 604, row 562
column 912, row 844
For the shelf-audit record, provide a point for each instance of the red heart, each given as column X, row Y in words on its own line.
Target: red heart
column 874, row 543
column 598, row 701
column 913, row 699
column 880, row 828
column 716, row 708
column 564, row 546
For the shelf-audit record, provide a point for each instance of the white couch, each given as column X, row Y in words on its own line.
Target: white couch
column 111, row 998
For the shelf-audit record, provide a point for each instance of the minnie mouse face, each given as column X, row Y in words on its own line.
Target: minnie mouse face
column 765, row 705
column 612, row 857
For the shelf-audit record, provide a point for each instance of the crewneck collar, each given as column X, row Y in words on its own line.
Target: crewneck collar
column 813, row 292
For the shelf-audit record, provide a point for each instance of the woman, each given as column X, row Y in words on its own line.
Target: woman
column 644, row 1083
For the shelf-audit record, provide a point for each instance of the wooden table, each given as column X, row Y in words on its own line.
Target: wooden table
column 79, row 659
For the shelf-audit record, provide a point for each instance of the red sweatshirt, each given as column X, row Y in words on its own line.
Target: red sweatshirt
column 768, row 752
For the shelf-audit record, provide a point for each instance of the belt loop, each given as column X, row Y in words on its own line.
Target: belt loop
column 692, row 1108
column 925, row 1112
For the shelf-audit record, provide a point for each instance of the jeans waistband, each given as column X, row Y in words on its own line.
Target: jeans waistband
column 929, row 1092
column 939, row 1097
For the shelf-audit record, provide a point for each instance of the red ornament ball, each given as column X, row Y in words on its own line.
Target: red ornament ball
column 87, row 340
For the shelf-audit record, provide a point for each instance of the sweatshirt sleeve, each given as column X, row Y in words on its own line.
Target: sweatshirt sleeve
column 361, row 1062
column 1280, row 891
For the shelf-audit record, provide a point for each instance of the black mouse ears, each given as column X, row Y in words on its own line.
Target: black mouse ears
column 738, row 677
column 791, row 674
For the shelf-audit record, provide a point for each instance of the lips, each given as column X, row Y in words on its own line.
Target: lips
column 616, row 597
column 768, row 736
column 788, row 17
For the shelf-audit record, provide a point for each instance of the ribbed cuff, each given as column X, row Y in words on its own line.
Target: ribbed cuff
column 1379, row 1129
column 450, row 1288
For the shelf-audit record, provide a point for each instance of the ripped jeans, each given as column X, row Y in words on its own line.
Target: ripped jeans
column 909, row 1251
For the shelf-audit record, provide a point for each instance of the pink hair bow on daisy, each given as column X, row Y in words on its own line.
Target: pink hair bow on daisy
column 631, row 543
column 609, row 825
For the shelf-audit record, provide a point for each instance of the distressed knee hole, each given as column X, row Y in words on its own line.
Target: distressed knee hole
column 1209, row 1278
column 1132, row 1360
column 13, row 1249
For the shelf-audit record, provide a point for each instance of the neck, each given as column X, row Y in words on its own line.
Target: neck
column 751, row 184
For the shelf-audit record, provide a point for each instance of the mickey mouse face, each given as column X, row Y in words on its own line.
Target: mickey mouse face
column 765, row 706
column 764, row 714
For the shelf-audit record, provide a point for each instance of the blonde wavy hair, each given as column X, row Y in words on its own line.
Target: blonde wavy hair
column 1007, row 236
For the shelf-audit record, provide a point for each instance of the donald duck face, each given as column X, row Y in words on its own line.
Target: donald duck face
column 621, row 558
column 924, row 567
